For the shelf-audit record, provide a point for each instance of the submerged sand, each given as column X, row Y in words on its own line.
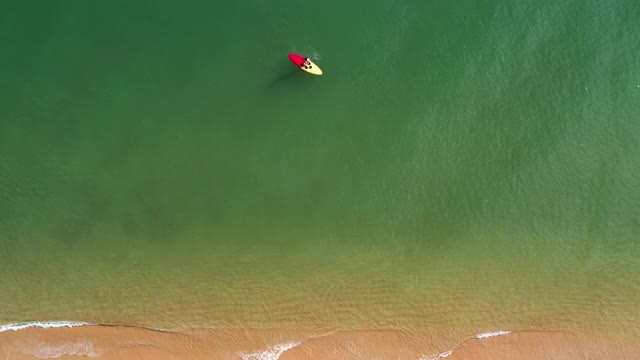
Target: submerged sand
column 119, row 342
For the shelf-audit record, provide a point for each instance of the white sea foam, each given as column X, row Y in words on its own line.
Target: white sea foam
column 492, row 334
column 53, row 351
column 486, row 335
column 271, row 354
column 443, row 355
column 41, row 324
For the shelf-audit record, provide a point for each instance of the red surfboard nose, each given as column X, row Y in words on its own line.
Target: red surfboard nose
column 297, row 59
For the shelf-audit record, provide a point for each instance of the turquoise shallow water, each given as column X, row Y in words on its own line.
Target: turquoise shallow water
column 469, row 166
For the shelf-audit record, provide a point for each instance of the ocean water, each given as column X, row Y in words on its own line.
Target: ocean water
column 466, row 166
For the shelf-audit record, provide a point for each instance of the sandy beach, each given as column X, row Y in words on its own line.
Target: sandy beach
column 462, row 182
column 118, row 342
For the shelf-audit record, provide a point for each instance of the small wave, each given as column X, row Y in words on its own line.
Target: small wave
column 492, row 334
column 272, row 354
column 41, row 324
column 479, row 337
column 443, row 355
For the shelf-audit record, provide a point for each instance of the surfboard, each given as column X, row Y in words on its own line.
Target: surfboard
column 312, row 68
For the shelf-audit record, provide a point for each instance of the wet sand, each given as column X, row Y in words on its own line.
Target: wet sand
column 118, row 342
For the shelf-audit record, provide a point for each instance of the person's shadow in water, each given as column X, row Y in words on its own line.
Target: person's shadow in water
column 288, row 78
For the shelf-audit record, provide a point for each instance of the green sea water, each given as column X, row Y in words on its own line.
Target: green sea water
column 465, row 165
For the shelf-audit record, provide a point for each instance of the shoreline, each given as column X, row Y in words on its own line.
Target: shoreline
column 70, row 340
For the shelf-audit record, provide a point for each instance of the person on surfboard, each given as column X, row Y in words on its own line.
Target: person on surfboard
column 305, row 63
